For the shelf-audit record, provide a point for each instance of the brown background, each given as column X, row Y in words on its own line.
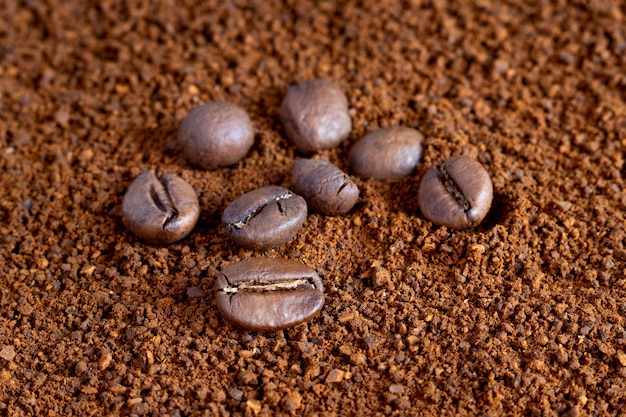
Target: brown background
column 523, row 315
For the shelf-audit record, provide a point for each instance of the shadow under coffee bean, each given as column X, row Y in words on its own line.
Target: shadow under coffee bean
column 160, row 210
column 265, row 218
column 456, row 193
column 266, row 294
column 498, row 213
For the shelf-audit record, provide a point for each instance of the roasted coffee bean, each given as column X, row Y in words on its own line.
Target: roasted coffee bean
column 216, row 134
column 386, row 153
column 266, row 294
column 326, row 189
column 456, row 193
column 315, row 115
column 160, row 210
column 265, row 218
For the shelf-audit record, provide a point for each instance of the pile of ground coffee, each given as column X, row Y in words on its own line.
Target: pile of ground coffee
column 522, row 315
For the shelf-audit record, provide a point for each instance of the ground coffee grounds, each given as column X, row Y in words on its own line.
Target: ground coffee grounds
column 523, row 315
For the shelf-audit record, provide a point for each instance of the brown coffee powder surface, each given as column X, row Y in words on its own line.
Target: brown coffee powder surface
column 523, row 315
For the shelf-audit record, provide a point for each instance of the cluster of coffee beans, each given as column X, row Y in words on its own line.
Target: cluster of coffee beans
column 272, row 294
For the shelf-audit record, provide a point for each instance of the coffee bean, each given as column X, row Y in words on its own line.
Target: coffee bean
column 216, row 134
column 315, row 115
column 265, row 294
column 387, row 153
column 456, row 193
column 160, row 210
column 326, row 189
column 265, row 218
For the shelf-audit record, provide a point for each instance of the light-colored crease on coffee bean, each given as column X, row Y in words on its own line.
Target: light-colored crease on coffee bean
column 255, row 286
column 244, row 222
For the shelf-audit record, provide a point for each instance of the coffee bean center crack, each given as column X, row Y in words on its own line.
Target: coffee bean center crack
column 344, row 185
column 244, row 222
column 255, row 286
column 453, row 188
column 163, row 201
column 321, row 184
